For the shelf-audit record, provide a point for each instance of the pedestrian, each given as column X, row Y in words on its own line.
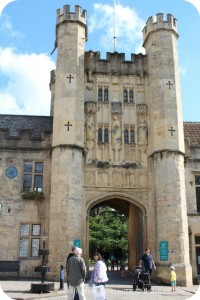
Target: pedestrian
column 76, row 274
column 147, row 261
column 99, row 276
column 122, row 268
column 71, row 253
column 118, row 256
column 173, row 278
column 112, row 264
column 62, row 275
column 68, row 257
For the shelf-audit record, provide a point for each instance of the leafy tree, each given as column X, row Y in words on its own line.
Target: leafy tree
column 108, row 230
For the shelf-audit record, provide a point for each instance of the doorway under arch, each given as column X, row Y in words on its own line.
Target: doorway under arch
column 135, row 212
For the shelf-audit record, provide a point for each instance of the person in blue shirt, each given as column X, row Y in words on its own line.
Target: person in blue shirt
column 147, row 261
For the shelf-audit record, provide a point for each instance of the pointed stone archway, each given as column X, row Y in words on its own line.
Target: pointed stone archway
column 135, row 212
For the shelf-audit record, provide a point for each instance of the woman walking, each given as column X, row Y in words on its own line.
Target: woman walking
column 99, row 273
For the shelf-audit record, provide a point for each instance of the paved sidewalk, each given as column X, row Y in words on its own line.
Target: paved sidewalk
column 116, row 289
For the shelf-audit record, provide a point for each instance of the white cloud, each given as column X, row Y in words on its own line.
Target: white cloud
column 24, row 83
column 6, row 28
column 128, row 27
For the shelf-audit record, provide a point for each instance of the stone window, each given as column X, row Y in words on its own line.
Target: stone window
column 126, row 136
column 103, row 135
column 106, row 94
column 197, row 184
column 132, row 136
column 125, row 93
column 131, row 96
column 100, row 95
column 100, row 136
column 197, row 246
column 103, row 94
column 106, row 137
column 29, row 240
column 33, row 176
column 128, row 95
column 129, row 136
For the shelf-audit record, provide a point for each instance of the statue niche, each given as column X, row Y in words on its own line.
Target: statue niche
column 90, row 137
column 142, row 132
column 90, row 129
column 116, row 132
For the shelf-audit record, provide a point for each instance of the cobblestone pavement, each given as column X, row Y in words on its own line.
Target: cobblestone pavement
column 116, row 289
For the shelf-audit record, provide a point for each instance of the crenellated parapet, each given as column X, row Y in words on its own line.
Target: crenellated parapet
column 115, row 63
column 65, row 15
column 159, row 23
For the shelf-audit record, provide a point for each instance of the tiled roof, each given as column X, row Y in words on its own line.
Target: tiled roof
column 37, row 125
column 192, row 132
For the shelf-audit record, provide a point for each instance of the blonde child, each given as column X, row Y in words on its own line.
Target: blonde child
column 173, row 278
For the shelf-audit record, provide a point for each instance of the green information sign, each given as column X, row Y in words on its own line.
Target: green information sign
column 77, row 243
column 164, row 250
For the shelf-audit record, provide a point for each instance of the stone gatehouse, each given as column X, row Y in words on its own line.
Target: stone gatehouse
column 115, row 136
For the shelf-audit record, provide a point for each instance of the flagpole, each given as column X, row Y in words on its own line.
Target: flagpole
column 115, row 38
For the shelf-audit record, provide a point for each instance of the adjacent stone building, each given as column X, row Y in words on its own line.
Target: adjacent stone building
column 115, row 136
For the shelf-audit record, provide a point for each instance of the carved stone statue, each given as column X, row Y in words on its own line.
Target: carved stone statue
column 90, row 130
column 142, row 133
column 116, row 132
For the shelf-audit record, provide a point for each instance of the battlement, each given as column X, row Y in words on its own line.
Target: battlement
column 65, row 15
column 115, row 63
column 157, row 22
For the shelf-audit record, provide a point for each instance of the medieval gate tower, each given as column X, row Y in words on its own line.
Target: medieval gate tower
column 166, row 140
column 118, row 140
column 67, row 202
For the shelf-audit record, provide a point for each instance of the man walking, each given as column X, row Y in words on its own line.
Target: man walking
column 76, row 274
column 147, row 261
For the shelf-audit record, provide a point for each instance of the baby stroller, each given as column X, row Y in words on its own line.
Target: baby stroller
column 141, row 279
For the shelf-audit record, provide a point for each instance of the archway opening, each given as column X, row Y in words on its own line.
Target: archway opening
column 108, row 235
column 117, row 225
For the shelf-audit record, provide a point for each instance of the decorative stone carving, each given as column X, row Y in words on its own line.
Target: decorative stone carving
column 116, row 132
column 116, row 107
column 142, row 133
column 90, row 129
column 142, row 109
column 90, row 108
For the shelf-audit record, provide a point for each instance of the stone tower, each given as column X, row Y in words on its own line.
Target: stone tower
column 166, row 144
column 67, row 86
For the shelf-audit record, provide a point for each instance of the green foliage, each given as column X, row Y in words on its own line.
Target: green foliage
column 108, row 230
column 32, row 196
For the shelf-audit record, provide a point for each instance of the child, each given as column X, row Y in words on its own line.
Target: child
column 122, row 268
column 173, row 278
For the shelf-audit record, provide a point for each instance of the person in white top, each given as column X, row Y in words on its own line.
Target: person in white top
column 99, row 274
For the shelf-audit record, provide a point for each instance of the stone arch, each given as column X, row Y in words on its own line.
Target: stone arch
column 136, row 213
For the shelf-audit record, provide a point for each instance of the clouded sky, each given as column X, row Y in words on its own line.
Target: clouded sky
column 27, row 35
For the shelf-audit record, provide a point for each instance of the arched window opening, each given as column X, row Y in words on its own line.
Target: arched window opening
column 100, row 95
column 132, row 136
column 106, row 139
column 125, row 96
column 131, row 96
column 126, row 136
column 100, row 135
column 106, row 95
